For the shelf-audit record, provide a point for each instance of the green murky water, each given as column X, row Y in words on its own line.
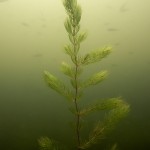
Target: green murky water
column 32, row 36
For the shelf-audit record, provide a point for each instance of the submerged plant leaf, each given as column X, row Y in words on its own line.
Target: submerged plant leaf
column 96, row 56
column 46, row 143
column 68, row 26
column 79, row 70
column 73, row 11
column 67, row 69
column 69, row 50
column 106, row 104
column 69, row 5
column 94, row 136
column 82, row 37
column 57, row 85
column 73, row 83
column 114, row 147
column 77, row 15
column 103, row 128
column 71, row 38
column 95, row 79
column 77, row 28
column 114, row 116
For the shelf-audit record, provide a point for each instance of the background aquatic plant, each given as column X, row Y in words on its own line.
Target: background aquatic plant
column 116, row 107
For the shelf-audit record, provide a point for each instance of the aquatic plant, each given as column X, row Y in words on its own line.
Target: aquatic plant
column 117, row 108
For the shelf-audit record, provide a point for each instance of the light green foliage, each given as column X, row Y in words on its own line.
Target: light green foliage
column 57, row 85
column 95, row 79
column 46, row 143
column 119, row 109
column 82, row 37
column 70, row 70
column 114, row 147
column 67, row 69
column 115, row 108
column 96, row 55
column 104, row 104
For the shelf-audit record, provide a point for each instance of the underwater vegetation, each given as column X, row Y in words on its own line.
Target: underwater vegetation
column 117, row 108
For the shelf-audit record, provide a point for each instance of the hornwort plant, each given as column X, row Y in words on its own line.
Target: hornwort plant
column 117, row 108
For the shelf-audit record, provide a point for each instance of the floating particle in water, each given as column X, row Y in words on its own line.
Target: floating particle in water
column 130, row 52
column 25, row 24
column 114, row 65
column 116, row 44
column 112, row 29
column 43, row 25
column 38, row 55
column 124, row 8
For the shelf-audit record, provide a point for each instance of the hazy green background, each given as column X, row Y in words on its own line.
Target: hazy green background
column 32, row 36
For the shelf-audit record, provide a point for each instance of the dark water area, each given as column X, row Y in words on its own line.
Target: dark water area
column 30, row 112
column 32, row 37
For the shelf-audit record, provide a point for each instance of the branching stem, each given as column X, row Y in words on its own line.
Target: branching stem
column 76, row 94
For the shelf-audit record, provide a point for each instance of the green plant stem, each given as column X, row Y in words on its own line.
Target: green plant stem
column 76, row 94
column 77, row 112
column 77, row 126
